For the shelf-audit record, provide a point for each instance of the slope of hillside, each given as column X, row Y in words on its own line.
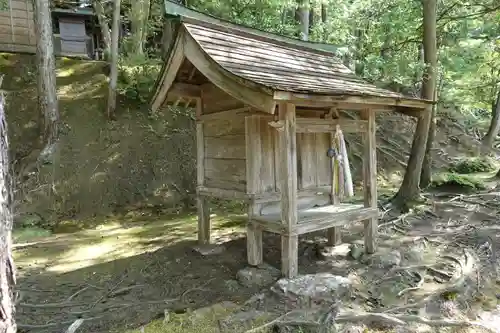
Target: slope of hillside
column 141, row 160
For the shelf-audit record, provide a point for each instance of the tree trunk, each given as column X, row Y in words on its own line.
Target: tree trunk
column 303, row 19
column 139, row 19
column 492, row 133
column 7, row 268
column 47, row 93
column 410, row 190
column 113, row 76
column 426, row 175
column 324, row 18
column 103, row 23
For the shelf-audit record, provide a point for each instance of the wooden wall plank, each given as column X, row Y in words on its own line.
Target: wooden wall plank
column 16, row 13
column 17, row 39
column 17, row 23
column 17, row 48
column 306, row 161
column 323, row 169
column 253, row 151
column 222, row 127
column 232, row 170
column 267, row 172
column 228, row 146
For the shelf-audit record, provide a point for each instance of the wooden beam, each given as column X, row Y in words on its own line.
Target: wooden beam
column 311, row 99
column 288, row 177
column 173, row 65
column 221, row 193
column 255, row 95
column 370, row 179
column 204, row 224
column 185, row 90
column 311, row 125
column 240, row 112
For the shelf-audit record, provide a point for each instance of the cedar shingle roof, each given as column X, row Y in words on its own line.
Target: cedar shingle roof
column 280, row 66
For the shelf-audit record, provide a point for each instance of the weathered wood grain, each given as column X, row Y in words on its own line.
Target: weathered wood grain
column 232, row 170
column 225, row 126
column 370, row 180
column 228, row 146
column 288, row 176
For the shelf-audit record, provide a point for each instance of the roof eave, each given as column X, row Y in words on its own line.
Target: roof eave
column 382, row 101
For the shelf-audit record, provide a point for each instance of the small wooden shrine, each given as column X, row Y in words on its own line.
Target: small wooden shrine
column 266, row 113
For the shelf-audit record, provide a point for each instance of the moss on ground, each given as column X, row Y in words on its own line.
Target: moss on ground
column 455, row 180
column 473, row 165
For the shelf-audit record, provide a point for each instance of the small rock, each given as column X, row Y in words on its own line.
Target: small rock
column 317, row 288
column 260, row 276
column 209, row 249
column 356, row 251
column 246, row 320
column 331, row 252
column 386, row 260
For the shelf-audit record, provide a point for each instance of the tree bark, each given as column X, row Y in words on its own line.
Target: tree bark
column 47, row 93
column 103, row 23
column 7, row 268
column 410, row 190
column 492, row 133
column 139, row 18
column 303, row 19
column 324, row 18
column 426, row 175
column 113, row 76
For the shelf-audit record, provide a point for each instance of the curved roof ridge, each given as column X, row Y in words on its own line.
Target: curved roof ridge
column 187, row 14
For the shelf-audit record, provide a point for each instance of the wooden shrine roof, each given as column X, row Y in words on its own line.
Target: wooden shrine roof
column 280, row 67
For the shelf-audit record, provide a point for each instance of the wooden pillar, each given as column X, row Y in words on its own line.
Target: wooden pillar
column 204, row 225
column 253, row 165
column 370, row 179
column 288, row 187
column 333, row 235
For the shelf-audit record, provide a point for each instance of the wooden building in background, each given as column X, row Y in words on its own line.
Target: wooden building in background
column 75, row 27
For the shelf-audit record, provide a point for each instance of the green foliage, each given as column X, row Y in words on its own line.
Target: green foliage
column 137, row 76
column 473, row 165
column 457, row 180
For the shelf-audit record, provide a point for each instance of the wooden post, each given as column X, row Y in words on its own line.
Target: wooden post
column 204, row 225
column 370, row 179
column 333, row 235
column 288, row 182
column 253, row 165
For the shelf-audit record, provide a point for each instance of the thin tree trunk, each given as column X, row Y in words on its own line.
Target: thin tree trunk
column 410, row 190
column 47, row 93
column 324, row 18
column 492, row 133
column 139, row 18
column 113, row 77
column 426, row 175
column 7, row 268
column 303, row 19
column 103, row 23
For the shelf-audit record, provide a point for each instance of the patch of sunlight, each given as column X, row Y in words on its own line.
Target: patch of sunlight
column 205, row 322
column 65, row 72
column 114, row 157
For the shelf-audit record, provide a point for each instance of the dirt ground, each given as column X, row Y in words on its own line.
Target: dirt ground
column 126, row 274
